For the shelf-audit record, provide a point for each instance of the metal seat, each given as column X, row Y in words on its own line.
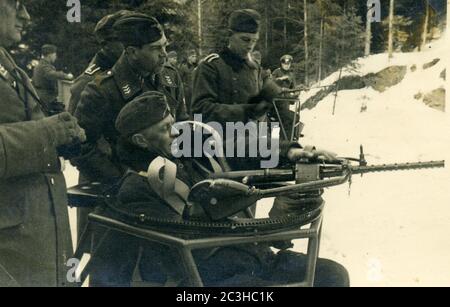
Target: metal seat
column 87, row 195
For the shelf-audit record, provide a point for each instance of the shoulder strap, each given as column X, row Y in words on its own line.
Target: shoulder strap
column 162, row 177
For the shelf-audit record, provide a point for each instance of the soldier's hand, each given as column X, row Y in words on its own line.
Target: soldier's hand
column 296, row 154
column 69, row 76
column 64, row 129
column 260, row 109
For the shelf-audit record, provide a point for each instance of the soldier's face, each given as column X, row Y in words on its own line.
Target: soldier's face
column 173, row 61
column 192, row 59
column 243, row 43
column 13, row 18
column 158, row 138
column 151, row 57
column 286, row 66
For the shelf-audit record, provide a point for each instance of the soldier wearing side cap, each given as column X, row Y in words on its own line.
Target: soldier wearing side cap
column 45, row 80
column 35, row 240
column 146, row 129
column 186, row 73
column 225, row 82
column 137, row 70
column 284, row 76
column 105, row 58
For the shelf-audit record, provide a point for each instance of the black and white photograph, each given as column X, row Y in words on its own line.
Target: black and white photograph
column 224, row 144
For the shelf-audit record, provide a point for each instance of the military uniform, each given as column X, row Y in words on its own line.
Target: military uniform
column 223, row 86
column 35, row 240
column 102, row 101
column 45, row 80
column 288, row 78
column 99, row 64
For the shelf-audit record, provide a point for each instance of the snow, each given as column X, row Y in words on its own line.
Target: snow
column 393, row 229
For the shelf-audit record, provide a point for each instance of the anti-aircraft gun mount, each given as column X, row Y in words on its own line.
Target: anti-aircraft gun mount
column 222, row 196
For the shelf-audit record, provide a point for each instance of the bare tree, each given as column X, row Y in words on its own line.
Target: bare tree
column 425, row 25
column 391, row 29
column 200, row 25
column 368, row 30
column 305, row 20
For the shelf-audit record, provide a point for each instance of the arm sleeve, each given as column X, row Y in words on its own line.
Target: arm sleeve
column 91, row 112
column 205, row 98
column 26, row 148
column 52, row 74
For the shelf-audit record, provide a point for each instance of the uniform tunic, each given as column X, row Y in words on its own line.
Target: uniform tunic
column 101, row 102
column 35, row 240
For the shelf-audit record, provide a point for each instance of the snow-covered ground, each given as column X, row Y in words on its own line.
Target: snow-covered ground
column 394, row 228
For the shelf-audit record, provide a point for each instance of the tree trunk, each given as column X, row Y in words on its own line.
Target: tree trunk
column 285, row 10
column 305, row 9
column 322, row 30
column 368, row 31
column 425, row 26
column 391, row 29
column 266, row 37
column 200, row 23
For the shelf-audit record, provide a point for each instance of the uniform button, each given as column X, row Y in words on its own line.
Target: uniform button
column 235, row 79
column 52, row 180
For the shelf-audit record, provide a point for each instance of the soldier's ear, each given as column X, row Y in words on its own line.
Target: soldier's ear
column 139, row 140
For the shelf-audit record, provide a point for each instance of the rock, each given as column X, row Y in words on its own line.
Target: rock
column 436, row 99
column 414, row 68
column 431, row 64
column 418, row 96
column 380, row 81
column 386, row 78
column 442, row 75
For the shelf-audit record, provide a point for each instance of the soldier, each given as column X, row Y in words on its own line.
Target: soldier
column 137, row 70
column 225, row 82
column 45, row 80
column 35, row 241
column 284, row 76
column 145, row 125
column 111, row 50
column 172, row 59
column 186, row 73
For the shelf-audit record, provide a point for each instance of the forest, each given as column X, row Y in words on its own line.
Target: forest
column 321, row 35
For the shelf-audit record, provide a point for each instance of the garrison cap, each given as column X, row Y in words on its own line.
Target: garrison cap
column 137, row 29
column 246, row 20
column 104, row 29
column 172, row 54
column 142, row 112
column 48, row 49
column 287, row 58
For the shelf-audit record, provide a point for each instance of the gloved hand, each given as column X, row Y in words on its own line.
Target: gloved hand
column 259, row 110
column 296, row 154
column 64, row 129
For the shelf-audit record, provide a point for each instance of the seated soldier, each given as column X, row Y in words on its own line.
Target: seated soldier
column 146, row 129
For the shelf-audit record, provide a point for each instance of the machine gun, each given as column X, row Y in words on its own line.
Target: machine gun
column 227, row 193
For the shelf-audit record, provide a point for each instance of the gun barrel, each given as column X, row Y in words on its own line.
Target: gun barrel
column 396, row 167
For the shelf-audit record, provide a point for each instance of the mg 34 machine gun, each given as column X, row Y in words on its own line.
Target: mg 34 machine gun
column 225, row 194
